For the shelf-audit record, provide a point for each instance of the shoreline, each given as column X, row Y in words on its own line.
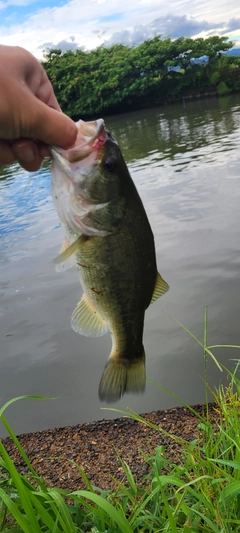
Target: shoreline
column 183, row 99
column 92, row 446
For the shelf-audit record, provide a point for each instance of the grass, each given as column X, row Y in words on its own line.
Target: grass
column 200, row 494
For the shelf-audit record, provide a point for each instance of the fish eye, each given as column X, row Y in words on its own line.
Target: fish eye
column 110, row 163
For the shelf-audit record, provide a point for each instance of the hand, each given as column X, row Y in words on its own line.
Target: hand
column 30, row 117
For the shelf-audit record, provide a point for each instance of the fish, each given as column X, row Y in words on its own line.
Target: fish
column 109, row 238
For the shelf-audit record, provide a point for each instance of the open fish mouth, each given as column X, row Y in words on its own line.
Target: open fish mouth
column 73, row 172
column 91, row 136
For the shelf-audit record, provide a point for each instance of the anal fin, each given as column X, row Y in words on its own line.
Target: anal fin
column 160, row 288
column 87, row 321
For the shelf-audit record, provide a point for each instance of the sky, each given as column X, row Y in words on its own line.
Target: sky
column 38, row 25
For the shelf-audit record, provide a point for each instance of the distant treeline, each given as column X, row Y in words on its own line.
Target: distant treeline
column 158, row 71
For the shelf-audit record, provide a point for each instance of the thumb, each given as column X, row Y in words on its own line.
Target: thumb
column 49, row 125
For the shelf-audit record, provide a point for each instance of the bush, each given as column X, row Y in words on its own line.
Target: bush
column 223, row 89
column 214, row 78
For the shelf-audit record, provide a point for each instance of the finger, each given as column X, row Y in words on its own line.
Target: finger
column 27, row 153
column 33, row 166
column 50, row 126
column 44, row 150
column 6, row 154
column 46, row 94
column 38, row 82
column 26, row 149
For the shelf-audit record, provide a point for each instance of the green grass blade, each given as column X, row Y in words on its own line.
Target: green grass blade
column 22, row 453
column 43, row 509
column 171, row 519
column 65, row 518
column 207, row 350
column 231, row 490
column 232, row 464
column 128, row 473
column 14, row 437
column 22, row 490
column 223, row 346
column 113, row 513
column 16, row 513
column 209, row 522
column 24, row 397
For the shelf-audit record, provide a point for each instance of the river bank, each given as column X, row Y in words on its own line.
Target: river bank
column 92, row 446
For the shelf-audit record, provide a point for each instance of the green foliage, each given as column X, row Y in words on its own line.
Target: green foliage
column 214, row 78
column 222, row 88
column 121, row 77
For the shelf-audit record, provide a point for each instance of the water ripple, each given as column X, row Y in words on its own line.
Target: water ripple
column 185, row 162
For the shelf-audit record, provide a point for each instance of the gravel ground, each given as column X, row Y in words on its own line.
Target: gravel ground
column 92, row 446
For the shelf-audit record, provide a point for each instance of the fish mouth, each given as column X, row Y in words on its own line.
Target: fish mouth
column 91, row 137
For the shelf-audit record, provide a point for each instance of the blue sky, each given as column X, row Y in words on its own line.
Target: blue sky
column 38, row 25
column 19, row 11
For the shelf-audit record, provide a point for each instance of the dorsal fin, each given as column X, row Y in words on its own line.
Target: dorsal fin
column 160, row 288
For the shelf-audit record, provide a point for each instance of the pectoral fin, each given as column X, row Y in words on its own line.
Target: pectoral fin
column 160, row 288
column 66, row 259
column 86, row 320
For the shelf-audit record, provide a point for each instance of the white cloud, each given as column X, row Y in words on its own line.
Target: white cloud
column 16, row 3
column 93, row 22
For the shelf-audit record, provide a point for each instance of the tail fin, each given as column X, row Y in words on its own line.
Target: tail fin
column 120, row 376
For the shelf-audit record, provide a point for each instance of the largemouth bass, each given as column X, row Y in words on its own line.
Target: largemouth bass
column 110, row 239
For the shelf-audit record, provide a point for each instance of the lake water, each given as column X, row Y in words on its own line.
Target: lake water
column 185, row 161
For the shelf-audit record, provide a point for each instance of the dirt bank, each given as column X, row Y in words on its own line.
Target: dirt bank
column 92, row 446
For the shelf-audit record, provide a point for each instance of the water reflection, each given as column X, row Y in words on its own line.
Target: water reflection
column 185, row 161
column 194, row 130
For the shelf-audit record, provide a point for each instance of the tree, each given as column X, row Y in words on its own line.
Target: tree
column 119, row 78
